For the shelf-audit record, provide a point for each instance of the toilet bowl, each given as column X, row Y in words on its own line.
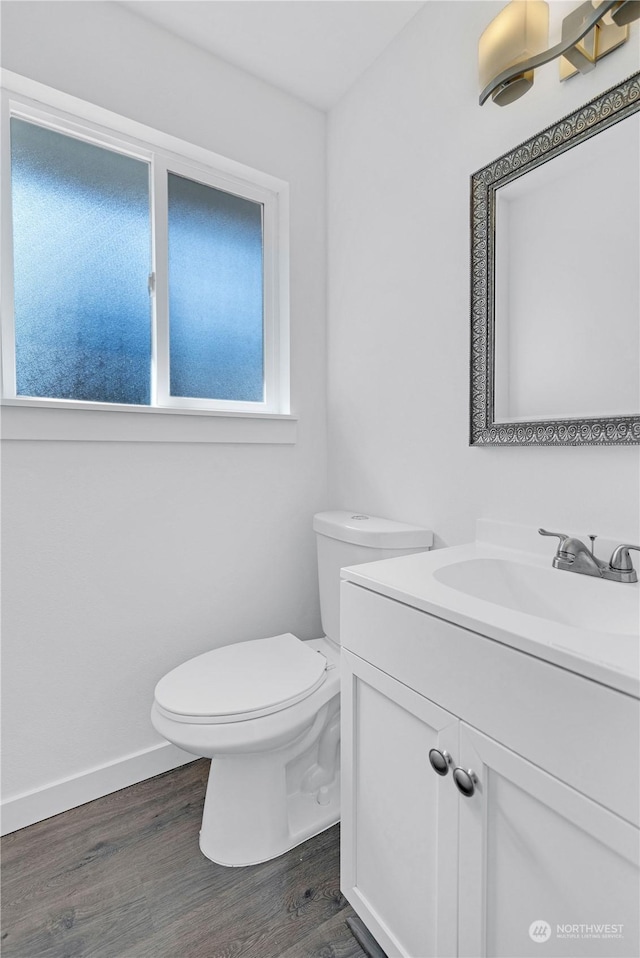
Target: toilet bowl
column 274, row 778
column 267, row 712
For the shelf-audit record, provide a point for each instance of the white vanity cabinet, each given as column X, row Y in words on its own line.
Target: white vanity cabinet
column 399, row 826
column 542, row 858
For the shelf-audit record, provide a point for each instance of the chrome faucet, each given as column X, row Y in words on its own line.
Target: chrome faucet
column 574, row 556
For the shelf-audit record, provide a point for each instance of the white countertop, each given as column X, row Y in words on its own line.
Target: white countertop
column 573, row 636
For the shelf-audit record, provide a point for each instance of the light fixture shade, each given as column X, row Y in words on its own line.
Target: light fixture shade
column 626, row 12
column 519, row 32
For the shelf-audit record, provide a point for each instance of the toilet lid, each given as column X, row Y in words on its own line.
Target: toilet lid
column 243, row 680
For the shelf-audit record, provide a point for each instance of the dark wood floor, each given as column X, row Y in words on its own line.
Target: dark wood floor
column 123, row 877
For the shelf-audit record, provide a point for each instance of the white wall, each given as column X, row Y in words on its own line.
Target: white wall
column 402, row 146
column 123, row 559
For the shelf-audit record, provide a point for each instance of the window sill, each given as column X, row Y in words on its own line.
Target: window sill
column 59, row 424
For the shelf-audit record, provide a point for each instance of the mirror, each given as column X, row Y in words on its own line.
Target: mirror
column 555, row 282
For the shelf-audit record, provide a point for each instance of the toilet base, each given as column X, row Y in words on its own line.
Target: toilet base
column 260, row 805
column 308, row 818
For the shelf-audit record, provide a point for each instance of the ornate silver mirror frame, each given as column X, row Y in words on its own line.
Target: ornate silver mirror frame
column 602, row 112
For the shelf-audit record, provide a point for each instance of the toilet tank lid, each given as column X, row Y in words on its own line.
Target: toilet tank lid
column 371, row 531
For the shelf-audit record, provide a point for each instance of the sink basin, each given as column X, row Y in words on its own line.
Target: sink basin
column 513, row 595
column 579, row 601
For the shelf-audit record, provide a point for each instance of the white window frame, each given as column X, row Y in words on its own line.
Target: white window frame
column 34, row 102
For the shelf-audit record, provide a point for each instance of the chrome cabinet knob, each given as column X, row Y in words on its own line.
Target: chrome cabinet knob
column 466, row 781
column 440, row 761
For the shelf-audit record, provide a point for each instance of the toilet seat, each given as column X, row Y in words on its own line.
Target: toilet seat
column 242, row 681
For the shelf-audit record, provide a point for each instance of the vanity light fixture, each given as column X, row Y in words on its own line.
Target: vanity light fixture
column 513, row 45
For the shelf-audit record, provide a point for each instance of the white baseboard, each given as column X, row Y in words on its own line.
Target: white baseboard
column 41, row 803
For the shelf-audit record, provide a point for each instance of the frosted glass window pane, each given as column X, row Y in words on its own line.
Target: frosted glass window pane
column 81, row 238
column 215, row 293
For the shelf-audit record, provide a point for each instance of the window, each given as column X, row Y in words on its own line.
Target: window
column 141, row 277
column 81, row 264
column 215, row 293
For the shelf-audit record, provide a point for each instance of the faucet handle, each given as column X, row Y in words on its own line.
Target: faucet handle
column 562, row 536
column 621, row 560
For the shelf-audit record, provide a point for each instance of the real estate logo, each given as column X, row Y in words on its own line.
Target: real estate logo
column 539, row 931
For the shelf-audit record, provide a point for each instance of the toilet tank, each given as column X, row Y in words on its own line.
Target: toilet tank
column 348, row 538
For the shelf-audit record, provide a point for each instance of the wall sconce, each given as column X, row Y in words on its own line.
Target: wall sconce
column 513, row 45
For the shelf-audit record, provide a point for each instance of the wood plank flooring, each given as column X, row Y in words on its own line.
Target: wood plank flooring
column 123, row 877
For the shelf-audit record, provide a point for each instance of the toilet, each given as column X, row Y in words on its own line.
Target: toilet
column 267, row 711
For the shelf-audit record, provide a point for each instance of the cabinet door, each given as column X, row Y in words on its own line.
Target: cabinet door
column 543, row 869
column 399, row 818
